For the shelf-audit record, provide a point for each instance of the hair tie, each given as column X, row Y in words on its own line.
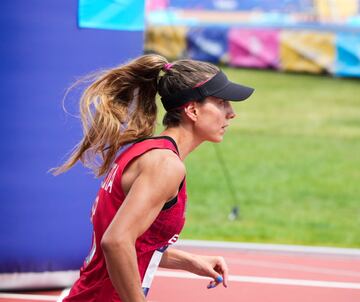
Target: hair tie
column 168, row 66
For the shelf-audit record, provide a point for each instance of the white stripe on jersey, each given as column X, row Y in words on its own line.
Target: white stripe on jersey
column 151, row 269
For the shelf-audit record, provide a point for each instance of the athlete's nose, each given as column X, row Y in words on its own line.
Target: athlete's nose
column 230, row 114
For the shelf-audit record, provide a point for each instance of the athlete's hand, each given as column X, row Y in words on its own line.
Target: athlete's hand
column 211, row 266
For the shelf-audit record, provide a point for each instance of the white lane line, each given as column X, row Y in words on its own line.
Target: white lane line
column 28, row 297
column 270, row 247
column 294, row 267
column 266, row 280
column 63, row 294
column 38, row 280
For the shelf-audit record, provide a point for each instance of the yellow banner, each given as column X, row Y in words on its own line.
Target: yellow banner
column 307, row 51
column 168, row 41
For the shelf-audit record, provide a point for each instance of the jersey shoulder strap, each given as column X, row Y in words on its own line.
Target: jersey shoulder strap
column 143, row 145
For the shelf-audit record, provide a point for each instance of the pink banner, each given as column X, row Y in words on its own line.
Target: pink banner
column 154, row 5
column 254, row 48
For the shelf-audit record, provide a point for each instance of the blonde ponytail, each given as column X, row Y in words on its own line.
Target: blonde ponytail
column 116, row 109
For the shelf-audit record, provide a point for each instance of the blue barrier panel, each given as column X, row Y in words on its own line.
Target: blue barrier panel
column 347, row 54
column 109, row 14
column 44, row 222
column 208, row 44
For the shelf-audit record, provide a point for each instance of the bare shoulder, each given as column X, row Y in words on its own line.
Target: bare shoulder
column 163, row 161
column 157, row 168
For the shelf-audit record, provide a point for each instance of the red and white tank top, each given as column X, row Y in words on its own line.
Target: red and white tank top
column 94, row 283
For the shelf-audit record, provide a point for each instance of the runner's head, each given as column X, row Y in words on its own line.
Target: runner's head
column 120, row 104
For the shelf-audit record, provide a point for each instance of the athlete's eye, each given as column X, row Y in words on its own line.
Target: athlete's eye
column 222, row 102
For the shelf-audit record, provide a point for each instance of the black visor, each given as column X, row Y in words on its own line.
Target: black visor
column 218, row 86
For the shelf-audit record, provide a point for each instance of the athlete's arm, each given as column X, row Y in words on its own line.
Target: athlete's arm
column 158, row 180
column 208, row 266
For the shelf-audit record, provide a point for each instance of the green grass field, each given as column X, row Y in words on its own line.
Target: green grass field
column 293, row 152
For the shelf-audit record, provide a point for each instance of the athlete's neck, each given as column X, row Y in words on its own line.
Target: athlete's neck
column 184, row 138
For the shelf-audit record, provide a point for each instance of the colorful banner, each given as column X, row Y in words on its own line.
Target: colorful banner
column 307, row 51
column 169, row 41
column 109, row 14
column 208, row 44
column 254, row 48
column 348, row 55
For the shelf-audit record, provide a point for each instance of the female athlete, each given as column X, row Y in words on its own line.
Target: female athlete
column 140, row 208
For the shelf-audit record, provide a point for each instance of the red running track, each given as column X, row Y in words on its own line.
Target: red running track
column 256, row 276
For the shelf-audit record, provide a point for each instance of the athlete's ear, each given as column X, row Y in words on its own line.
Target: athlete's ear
column 191, row 111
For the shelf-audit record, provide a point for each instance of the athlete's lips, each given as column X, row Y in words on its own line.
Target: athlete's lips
column 224, row 128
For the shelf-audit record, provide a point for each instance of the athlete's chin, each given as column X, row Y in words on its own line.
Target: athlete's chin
column 216, row 139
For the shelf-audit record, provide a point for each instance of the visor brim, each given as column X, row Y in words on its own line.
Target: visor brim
column 218, row 86
column 234, row 92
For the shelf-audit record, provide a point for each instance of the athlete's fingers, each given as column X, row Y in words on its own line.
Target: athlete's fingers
column 215, row 283
column 214, row 267
column 224, row 270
